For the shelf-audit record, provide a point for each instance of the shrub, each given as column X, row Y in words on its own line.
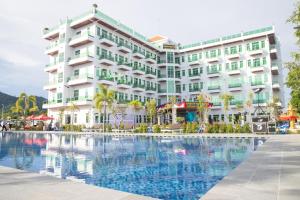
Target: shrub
column 223, row 128
column 180, row 119
column 122, row 126
column 142, row 128
column 194, row 127
column 229, row 128
column 76, row 128
column 156, row 128
column 108, row 128
column 238, row 128
column 246, row 128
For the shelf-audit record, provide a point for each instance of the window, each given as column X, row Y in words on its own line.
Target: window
column 262, row 44
column 170, row 57
column 170, row 72
column 77, row 52
column 60, row 77
column 183, row 87
column 240, row 48
column 255, row 45
column 241, row 64
column 98, row 31
column 183, row 73
column 76, row 72
column 233, row 50
column 75, row 118
column 264, row 60
column 59, row 97
column 256, row 62
column 98, row 51
column 76, row 95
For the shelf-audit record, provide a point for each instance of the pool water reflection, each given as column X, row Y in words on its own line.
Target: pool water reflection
column 165, row 168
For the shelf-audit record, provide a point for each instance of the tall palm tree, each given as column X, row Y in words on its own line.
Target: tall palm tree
column 151, row 109
column 226, row 97
column 104, row 99
column 201, row 106
column 136, row 105
column 249, row 102
column 173, row 101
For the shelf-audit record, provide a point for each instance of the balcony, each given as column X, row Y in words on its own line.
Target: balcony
column 123, row 101
column 275, row 85
column 273, row 52
column 162, row 92
column 234, row 87
column 138, row 87
column 257, row 84
column 257, row 68
column 213, row 60
column 81, row 79
column 81, row 39
column 150, row 59
column 275, row 69
column 50, row 86
column 53, row 104
column 106, row 80
column 162, row 77
column 50, row 34
column 107, row 40
column 216, row 105
column 124, row 48
column 162, row 63
column 79, row 101
column 150, row 74
column 138, row 54
column 80, row 59
column 194, row 63
column 233, row 56
column 195, row 76
column 124, row 66
column 256, row 52
column 214, row 89
column 234, row 72
column 150, row 90
column 236, row 103
column 195, row 90
column 51, row 67
column 138, row 70
column 106, row 60
column 124, row 84
column 261, row 102
column 52, row 49
column 213, row 73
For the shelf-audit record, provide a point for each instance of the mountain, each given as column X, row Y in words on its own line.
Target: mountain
column 9, row 100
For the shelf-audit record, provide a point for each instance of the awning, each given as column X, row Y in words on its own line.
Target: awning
column 288, row 117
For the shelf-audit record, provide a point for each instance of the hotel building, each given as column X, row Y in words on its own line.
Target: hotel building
column 94, row 48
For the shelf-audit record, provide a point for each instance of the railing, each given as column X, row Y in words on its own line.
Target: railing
column 149, row 56
column 151, row 72
column 107, row 37
column 125, row 82
column 217, row 103
column 195, row 89
column 52, row 46
column 138, row 51
column 123, row 101
column 234, row 85
column 236, row 102
column 81, row 55
column 105, row 56
column 81, row 76
column 256, row 101
column 194, row 74
column 255, row 83
column 106, row 78
column 162, row 91
column 82, row 34
column 138, row 86
column 52, row 64
column 138, row 68
column 150, row 89
column 161, row 62
column 161, row 76
column 124, row 45
column 213, row 71
column 214, row 87
column 81, row 98
column 126, row 64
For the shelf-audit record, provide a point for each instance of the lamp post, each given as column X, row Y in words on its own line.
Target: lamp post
column 2, row 111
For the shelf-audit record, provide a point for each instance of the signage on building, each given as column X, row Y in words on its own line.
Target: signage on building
column 272, row 127
column 169, row 46
column 259, row 127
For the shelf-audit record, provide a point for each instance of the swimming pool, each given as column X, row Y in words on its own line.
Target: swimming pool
column 165, row 168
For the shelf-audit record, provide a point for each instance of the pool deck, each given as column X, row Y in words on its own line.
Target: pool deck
column 272, row 172
column 22, row 185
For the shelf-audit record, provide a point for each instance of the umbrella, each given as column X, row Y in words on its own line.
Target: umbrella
column 288, row 117
column 31, row 117
column 43, row 117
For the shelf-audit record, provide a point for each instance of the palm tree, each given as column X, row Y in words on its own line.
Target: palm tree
column 25, row 105
column 173, row 101
column 226, row 100
column 249, row 102
column 104, row 99
column 275, row 109
column 151, row 109
column 73, row 107
column 239, row 107
column 136, row 106
column 201, row 107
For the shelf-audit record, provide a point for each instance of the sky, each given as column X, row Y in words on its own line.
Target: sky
column 22, row 57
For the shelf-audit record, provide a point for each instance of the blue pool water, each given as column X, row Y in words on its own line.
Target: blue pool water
column 165, row 168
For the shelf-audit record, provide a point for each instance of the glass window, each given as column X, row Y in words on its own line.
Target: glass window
column 170, row 72
column 76, row 94
column 59, row 97
column 264, row 60
column 183, row 72
column 76, row 72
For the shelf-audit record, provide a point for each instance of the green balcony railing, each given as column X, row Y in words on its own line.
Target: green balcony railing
column 150, row 72
column 236, row 102
column 80, row 98
column 105, row 56
column 110, row 38
column 213, row 71
column 125, row 82
column 149, row 88
column 256, row 101
column 139, row 52
column 150, row 57
column 161, row 76
column 135, row 85
column 162, row 91
column 217, row 103
column 124, row 45
column 214, row 87
column 106, row 78
column 195, row 89
column 126, row 64
column 81, row 55
column 82, row 34
column 194, row 74
column 234, row 85
column 136, row 68
column 255, row 83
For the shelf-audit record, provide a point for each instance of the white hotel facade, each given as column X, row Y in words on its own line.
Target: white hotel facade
column 93, row 48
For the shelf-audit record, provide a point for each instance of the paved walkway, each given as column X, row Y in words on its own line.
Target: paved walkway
column 21, row 185
column 272, row 172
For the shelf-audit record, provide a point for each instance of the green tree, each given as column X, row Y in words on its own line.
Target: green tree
column 201, row 107
column 25, row 105
column 104, row 99
column 151, row 109
column 173, row 101
column 293, row 77
column 275, row 108
column 136, row 105
column 72, row 108
column 226, row 100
